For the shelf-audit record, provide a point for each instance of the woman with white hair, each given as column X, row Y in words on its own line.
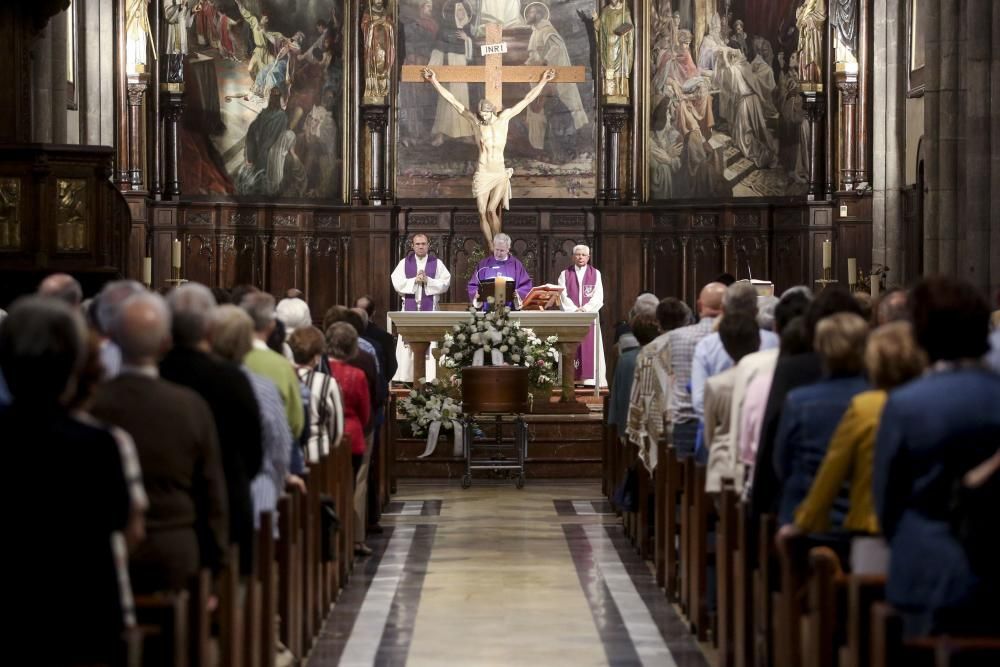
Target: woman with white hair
column 584, row 293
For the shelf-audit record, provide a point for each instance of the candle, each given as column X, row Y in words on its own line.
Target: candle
column 175, row 254
column 875, row 285
column 827, row 254
column 500, row 289
column 852, row 271
column 147, row 271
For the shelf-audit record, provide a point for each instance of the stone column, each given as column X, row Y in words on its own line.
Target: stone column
column 847, row 84
column 41, row 87
column 864, row 128
column 814, row 106
column 153, row 145
column 57, row 26
column 376, row 119
column 888, row 132
column 121, row 99
column 136, row 135
column 354, row 71
column 615, row 119
column 173, row 106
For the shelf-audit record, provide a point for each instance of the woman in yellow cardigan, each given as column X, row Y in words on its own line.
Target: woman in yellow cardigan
column 892, row 357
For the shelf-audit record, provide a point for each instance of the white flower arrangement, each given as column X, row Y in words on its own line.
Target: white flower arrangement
column 428, row 404
column 475, row 340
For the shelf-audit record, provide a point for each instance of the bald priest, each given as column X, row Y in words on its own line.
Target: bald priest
column 419, row 279
column 501, row 263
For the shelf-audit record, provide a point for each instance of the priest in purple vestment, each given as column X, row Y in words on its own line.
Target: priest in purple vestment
column 419, row 279
column 501, row 263
column 584, row 292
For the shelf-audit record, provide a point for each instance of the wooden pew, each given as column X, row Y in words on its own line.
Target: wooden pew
column 687, row 514
column 725, row 573
column 763, row 643
column 698, row 545
column 672, row 520
column 309, row 562
column 200, row 636
column 660, row 513
column 742, row 591
column 289, row 592
column 793, row 553
column 825, row 624
column 643, row 541
column 863, row 591
column 889, row 648
column 162, row 622
column 231, row 612
column 267, row 579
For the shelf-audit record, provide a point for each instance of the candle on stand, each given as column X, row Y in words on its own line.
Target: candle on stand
column 500, row 289
column 147, row 271
column 852, row 271
column 827, row 254
column 175, row 254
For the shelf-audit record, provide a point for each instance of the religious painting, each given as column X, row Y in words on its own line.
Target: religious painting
column 725, row 117
column 551, row 146
column 264, row 114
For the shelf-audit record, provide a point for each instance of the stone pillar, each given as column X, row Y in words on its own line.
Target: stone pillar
column 122, row 176
column 615, row 119
column 847, row 84
column 173, row 106
column 376, row 119
column 354, row 68
column 864, row 128
column 41, row 87
column 58, row 27
column 634, row 139
column 153, row 139
column 814, row 106
column 888, row 133
column 136, row 132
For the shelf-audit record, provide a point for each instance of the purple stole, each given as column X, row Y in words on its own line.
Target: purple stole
column 585, row 353
column 410, row 270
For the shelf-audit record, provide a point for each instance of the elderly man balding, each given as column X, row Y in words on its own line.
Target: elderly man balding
column 62, row 286
column 174, row 433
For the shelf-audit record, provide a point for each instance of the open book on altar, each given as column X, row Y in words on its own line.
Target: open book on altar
column 542, row 297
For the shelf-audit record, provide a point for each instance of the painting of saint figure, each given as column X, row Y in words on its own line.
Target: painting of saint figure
column 551, row 147
column 725, row 118
column 264, row 91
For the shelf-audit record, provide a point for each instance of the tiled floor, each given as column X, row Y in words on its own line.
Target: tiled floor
column 496, row 576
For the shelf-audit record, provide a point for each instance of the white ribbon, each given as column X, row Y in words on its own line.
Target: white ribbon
column 477, row 357
column 496, row 356
column 434, row 432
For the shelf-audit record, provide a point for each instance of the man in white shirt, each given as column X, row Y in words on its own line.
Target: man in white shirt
column 584, row 292
column 420, row 279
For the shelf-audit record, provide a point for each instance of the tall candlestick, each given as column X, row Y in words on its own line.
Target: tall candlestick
column 175, row 254
column 827, row 254
column 147, row 271
column 852, row 271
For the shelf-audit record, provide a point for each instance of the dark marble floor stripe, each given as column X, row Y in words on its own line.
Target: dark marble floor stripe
column 398, row 634
column 564, row 507
column 337, row 629
column 603, row 555
column 618, row 646
column 432, row 508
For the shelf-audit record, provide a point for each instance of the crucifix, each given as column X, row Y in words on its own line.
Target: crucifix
column 491, row 182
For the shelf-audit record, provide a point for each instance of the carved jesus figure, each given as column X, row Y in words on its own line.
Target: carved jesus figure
column 491, row 182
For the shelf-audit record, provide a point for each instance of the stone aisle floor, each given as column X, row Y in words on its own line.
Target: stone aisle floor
column 496, row 576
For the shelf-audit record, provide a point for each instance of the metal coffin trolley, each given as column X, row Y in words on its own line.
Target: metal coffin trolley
column 497, row 392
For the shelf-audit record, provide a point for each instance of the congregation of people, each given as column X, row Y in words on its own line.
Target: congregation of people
column 177, row 422
column 871, row 427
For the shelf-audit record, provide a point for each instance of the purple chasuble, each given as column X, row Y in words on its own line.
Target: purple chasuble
column 491, row 267
column 585, row 353
column 410, row 271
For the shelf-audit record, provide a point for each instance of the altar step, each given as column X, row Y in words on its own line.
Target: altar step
column 559, row 446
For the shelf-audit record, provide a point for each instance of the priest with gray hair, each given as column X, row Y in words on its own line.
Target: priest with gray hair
column 583, row 292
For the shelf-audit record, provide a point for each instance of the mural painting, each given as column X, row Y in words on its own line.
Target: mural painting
column 551, row 147
column 264, row 98
column 726, row 117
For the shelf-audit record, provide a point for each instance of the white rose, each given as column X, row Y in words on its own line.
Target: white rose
column 516, row 357
column 504, row 348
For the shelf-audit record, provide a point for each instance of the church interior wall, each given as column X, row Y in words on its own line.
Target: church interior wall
column 914, row 114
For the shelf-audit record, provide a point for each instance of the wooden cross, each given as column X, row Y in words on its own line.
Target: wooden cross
column 493, row 73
